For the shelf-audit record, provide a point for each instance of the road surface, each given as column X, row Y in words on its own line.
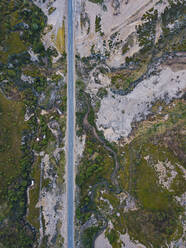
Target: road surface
column 70, row 126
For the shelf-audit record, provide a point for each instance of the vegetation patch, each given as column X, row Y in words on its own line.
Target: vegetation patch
column 13, row 176
column 171, row 40
column 113, row 237
column 89, row 236
column 21, row 27
column 34, row 192
column 158, row 215
column 97, row 1
column 60, row 40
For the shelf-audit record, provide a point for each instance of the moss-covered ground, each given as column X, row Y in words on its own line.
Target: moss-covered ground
column 13, row 229
column 157, row 216
column 21, row 27
column 34, row 193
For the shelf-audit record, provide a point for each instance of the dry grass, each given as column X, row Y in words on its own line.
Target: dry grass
column 60, row 39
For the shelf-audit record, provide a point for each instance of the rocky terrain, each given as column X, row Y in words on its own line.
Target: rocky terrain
column 131, row 81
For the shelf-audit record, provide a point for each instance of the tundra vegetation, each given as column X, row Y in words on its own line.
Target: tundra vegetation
column 156, row 217
column 97, row 1
column 146, row 199
column 27, row 79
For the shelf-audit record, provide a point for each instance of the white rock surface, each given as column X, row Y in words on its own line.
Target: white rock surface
column 80, row 145
column 122, row 20
column 55, row 19
column 128, row 243
column 117, row 112
column 102, row 242
column 33, row 56
column 166, row 173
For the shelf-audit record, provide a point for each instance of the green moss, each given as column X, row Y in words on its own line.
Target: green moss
column 96, row 166
column 32, row 71
column 21, row 26
column 33, row 211
column 61, row 169
column 14, row 38
column 92, row 169
column 146, row 31
column 157, row 218
column 114, row 201
column 158, row 214
column 89, row 235
column 150, row 195
column 14, row 45
column 125, row 48
column 178, row 185
column 102, row 92
column 51, row 10
column 152, row 227
column 113, row 237
column 13, row 178
column 98, row 24
column 12, row 125
column 80, row 84
column 97, row 1
column 46, row 183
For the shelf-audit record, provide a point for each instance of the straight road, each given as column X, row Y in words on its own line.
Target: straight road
column 70, row 125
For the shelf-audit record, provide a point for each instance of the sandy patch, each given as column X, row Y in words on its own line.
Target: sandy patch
column 55, row 19
column 121, row 19
column 102, row 242
column 128, row 243
column 80, row 145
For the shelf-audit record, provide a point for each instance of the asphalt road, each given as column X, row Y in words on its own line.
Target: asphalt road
column 70, row 126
